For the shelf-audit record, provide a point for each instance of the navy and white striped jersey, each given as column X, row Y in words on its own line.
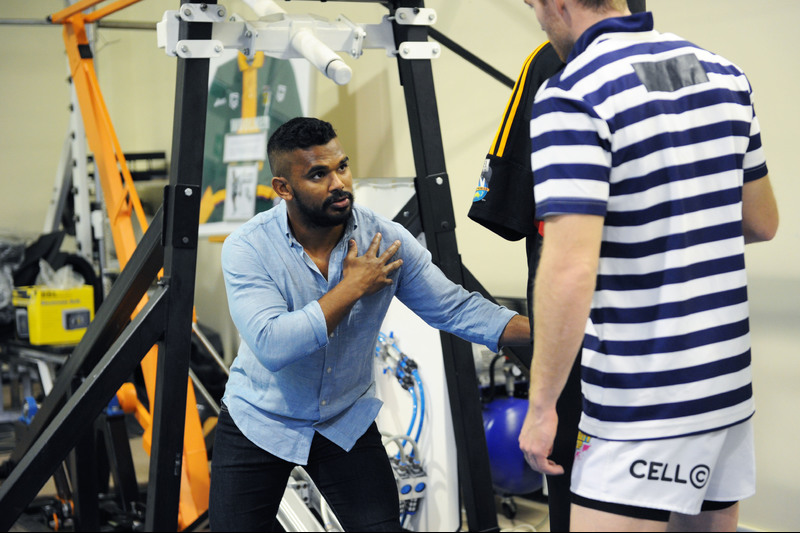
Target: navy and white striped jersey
column 657, row 135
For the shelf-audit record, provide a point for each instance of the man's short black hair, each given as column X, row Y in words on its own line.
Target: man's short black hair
column 297, row 133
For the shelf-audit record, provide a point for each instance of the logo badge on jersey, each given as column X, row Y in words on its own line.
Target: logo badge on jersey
column 483, row 182
column 233, row 100
column 582, row 443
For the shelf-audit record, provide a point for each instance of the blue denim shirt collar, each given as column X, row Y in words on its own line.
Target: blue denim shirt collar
column 632, row 23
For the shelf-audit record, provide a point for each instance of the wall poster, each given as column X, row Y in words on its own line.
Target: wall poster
column 247, row 101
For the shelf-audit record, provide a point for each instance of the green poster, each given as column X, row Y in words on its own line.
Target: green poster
column 239, row 120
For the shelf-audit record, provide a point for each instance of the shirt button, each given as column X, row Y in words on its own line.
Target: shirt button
column 323, row 402
column 329, row 370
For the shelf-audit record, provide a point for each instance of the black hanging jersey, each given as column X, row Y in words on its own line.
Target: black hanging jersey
column 503, row 201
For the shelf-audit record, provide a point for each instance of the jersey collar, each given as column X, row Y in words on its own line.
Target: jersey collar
column 638, row 22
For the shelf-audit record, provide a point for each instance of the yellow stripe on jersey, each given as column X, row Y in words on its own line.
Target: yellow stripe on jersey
column 511, row 109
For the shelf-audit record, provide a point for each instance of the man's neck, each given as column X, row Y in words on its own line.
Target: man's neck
column 582, row 19
column 316, row 240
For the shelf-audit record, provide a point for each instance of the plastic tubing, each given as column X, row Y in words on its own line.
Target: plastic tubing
column 400, row 440
column 413, row 417
column 326, row 60
column 421, row 390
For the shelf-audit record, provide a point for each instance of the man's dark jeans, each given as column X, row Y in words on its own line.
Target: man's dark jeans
column 247, row 483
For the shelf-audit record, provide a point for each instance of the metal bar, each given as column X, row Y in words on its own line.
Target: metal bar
column 118, row 448
column 61, row 186
column 84, row 475
column 408, row 216
column 60, row 16
column 472, row 58
column 637, row 6
column 294, row 514
column 198, row 385
column 438, row 222
column 109, row 9
column 79, row 412
column 112, row 317
column 211, row 350
column 105, row 24
column 180, row 256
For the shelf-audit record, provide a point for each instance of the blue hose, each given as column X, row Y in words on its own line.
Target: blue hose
column 421, row 390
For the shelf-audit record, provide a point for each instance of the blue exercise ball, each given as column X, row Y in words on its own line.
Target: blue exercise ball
column 502, row 423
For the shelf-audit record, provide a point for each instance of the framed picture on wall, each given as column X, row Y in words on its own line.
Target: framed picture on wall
column 248, row 99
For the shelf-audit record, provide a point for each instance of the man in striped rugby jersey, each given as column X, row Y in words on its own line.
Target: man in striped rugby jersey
column 650, row 177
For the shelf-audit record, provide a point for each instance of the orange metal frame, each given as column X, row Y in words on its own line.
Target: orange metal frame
column 122, row 201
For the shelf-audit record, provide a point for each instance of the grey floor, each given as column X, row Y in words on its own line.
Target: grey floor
column 530, row 515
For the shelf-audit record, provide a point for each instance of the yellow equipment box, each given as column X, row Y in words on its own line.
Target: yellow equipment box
column 53, row 316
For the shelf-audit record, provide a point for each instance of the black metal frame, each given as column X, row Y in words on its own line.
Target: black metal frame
column 114, row 344
column 438, row 223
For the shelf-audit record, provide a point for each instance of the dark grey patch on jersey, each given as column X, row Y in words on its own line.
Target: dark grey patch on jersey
column 671, row 74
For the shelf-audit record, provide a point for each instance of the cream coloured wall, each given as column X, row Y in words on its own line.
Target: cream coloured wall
column 137, row 80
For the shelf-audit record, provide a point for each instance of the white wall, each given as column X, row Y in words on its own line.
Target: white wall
column 138, row 80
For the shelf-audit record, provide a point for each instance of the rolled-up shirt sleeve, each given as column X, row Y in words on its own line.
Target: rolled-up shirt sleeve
column 276, row 335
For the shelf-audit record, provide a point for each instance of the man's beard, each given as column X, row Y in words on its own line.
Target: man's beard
column 321, row 217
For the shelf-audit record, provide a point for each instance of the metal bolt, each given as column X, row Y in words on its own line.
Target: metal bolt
column 185, row 240
column 436, row 50
column 187, row 191
column 246, row 51
column 406, row 214
column 203, row 7
column 445, row 225
column 221, row 13
column 217, row 48
column 187, row 12
column 405, row 51
column 439, row 180
column 431, row 17
column 248, row 34
column 184, row 48
column 402, row 16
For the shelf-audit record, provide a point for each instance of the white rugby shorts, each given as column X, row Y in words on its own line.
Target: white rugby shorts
column 675, row 474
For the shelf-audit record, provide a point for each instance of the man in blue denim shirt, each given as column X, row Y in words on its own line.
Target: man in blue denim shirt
column 308, row 308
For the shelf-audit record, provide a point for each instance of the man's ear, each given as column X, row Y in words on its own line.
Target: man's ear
column 282, row 188
column 563, row 9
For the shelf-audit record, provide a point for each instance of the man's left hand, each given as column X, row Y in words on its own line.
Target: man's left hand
column 536, row 440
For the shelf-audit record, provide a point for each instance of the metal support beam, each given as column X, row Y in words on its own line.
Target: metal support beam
column 109, row 354
column 111, row 319
column 182, row 204
column 438, row 223
column 77, row 415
